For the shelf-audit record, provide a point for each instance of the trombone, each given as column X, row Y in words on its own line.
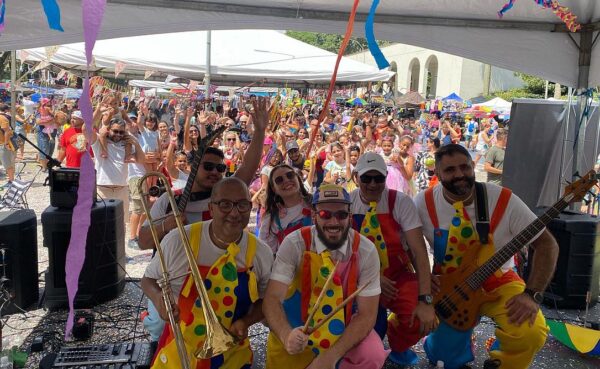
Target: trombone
column 218, row 339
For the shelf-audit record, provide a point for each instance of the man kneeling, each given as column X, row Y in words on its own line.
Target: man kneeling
column 302, row 266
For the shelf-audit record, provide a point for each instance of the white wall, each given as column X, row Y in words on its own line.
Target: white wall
column 455, row 74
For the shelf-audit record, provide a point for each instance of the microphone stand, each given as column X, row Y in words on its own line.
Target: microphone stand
column 51, row 161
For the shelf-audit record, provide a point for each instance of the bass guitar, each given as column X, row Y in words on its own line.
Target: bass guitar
column 461, row 294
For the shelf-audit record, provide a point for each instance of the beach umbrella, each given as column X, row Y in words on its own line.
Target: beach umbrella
column 357, row 101
column 583, row 340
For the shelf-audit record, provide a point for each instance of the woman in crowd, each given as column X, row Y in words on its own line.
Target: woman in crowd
column 407, row 163
column 287, row 206
column 336, row 169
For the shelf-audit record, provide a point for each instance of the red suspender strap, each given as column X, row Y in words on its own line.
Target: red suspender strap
column 353, row 276
column 501, row 206
column 431, row 207
column 305, row 290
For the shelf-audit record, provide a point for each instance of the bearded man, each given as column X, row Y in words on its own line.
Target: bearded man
column 449, row 214
column 302, row 266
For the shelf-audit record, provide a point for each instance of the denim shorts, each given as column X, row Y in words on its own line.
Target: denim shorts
column 7, row 157
column 44, row 142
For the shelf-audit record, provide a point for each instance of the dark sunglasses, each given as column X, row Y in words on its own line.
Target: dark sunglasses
column 117, row 132
column 366, row 179
column 279, row 179
column 339, row 215
column 292, row 151
column 209, row 167
column 231, row 139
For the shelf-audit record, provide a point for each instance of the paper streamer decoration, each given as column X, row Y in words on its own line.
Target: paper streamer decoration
column 583, row 340
column 52, row 11
column 169, row 78
column 92, row 14
column 2, row 11
column 41, row 65
column 148, row 74
column 380, row 59
column 349, row 29
column 61, row 74
column 119, row 67
column 192, row 86
column 22, row 55
column 560, row 11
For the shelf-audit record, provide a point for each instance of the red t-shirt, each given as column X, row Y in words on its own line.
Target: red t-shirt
column 74, row 143
column 320, row 160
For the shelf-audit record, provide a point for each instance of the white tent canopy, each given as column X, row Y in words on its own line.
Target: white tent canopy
column 498, row 104
column 528, row 39
column 158, row 84
column 238, row 55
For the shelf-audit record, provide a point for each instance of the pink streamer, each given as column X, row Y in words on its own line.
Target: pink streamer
column 92, row 14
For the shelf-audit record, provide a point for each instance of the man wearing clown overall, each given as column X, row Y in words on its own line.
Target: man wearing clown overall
column 447, row 213
column 390, row 220
column 235, row 266
column 302, row 265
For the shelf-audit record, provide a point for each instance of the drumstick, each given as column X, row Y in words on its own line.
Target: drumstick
column 318, row 302
column 338, row 308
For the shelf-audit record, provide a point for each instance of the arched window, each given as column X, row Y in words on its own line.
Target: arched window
column 414, row 70
column 431, row 74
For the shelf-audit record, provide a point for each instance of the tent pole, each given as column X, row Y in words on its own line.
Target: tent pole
column 13, row 91
column 207, row 75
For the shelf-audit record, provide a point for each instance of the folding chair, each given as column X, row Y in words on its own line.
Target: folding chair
column 15, row 195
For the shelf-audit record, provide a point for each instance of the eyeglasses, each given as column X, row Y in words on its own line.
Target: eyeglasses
column 226, row 206
column 231, row 139
column 117, row 132
column 289, row 136
column 194, row 131
column 339, row 215
column 209, row 167
column 293, row 151
column 366, row 179
column 279, row 179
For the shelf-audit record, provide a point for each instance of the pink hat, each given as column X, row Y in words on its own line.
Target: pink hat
column 44, row 101
column 268, row 141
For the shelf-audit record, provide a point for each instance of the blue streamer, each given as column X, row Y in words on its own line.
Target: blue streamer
column 2, row 10
column 52, row 11
column 380, row 59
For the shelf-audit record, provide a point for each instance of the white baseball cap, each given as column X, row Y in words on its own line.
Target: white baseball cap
column 370, row 161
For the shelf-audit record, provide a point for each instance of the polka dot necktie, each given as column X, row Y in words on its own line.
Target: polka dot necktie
column 371, row 229
column 330, row 332
column 460, row 236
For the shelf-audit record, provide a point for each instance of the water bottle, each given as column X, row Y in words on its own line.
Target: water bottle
column 439, row 364
column 5, row 363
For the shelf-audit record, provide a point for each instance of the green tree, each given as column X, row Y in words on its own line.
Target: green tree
column 332, row 42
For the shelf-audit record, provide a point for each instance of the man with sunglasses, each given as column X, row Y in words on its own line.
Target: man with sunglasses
column 295, row 158
column 303, row 264
column 390, row 219
column 236, row 267
column 212, row 169
column 111, row 171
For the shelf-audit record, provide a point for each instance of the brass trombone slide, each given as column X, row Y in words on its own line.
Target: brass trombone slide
column 218, row 339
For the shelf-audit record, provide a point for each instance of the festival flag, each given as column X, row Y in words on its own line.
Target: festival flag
column 41, row 65
column 148, row 74
column 22, row 54
column 119, row 67
column 52, row 11
column 169, row 78
column 50, row 51
column 212, row 89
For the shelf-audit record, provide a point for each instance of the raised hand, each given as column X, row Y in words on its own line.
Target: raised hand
column 260, row 114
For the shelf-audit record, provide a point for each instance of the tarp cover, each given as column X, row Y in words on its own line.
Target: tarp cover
column 237, row 55
column 523, row 40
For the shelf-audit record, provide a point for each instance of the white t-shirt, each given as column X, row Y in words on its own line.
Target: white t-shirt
column 112, row 170
column 266, row 170
column 28, row 107
column 291, row 215
column 148, row 140
column 135, row 170
column 404, row 212
column 288, row 260
column 176, row 260
column 516, row 217
column 193, row 211
column 181, row 181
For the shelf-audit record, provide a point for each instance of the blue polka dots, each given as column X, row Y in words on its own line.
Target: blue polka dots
column 198, row 303
column 329, row 293
column 456, row 221
column 366, row 230
column 228, row 314
column 207, row 283
column 326, row 309
column 336, row 327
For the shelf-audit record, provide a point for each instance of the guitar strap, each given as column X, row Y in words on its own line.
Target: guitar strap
column 482, row 223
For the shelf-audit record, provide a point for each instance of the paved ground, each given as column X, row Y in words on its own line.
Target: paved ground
column 117, row 319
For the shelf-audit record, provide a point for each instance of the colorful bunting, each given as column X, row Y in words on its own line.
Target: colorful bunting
column 22, row 54
column 51, row 51
column 148, row 74
column 41, row 65
column 119, row 67
column 61, row 74
column 169, row 78
column 380, row 59
column 52, row 11
column 193, row 85
column 560, row 11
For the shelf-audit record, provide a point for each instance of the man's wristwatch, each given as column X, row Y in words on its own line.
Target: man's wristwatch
column 427, row 299
column 538, row 297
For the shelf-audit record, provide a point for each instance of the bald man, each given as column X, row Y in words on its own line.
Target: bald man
column 236, row 267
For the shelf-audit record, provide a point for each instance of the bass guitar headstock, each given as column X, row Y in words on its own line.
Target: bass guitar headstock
column 580, row 187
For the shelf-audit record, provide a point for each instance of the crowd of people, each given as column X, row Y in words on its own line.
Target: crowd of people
column 363, row 196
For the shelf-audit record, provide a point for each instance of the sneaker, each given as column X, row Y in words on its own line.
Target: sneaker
column 133, row 244
column 405, row 358
column 492, row 364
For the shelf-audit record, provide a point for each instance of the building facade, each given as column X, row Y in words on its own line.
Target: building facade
column 437, row 74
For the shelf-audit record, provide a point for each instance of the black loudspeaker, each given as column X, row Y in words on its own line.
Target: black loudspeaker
column 19, row 259
column 578, row 266
column 102, row 277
